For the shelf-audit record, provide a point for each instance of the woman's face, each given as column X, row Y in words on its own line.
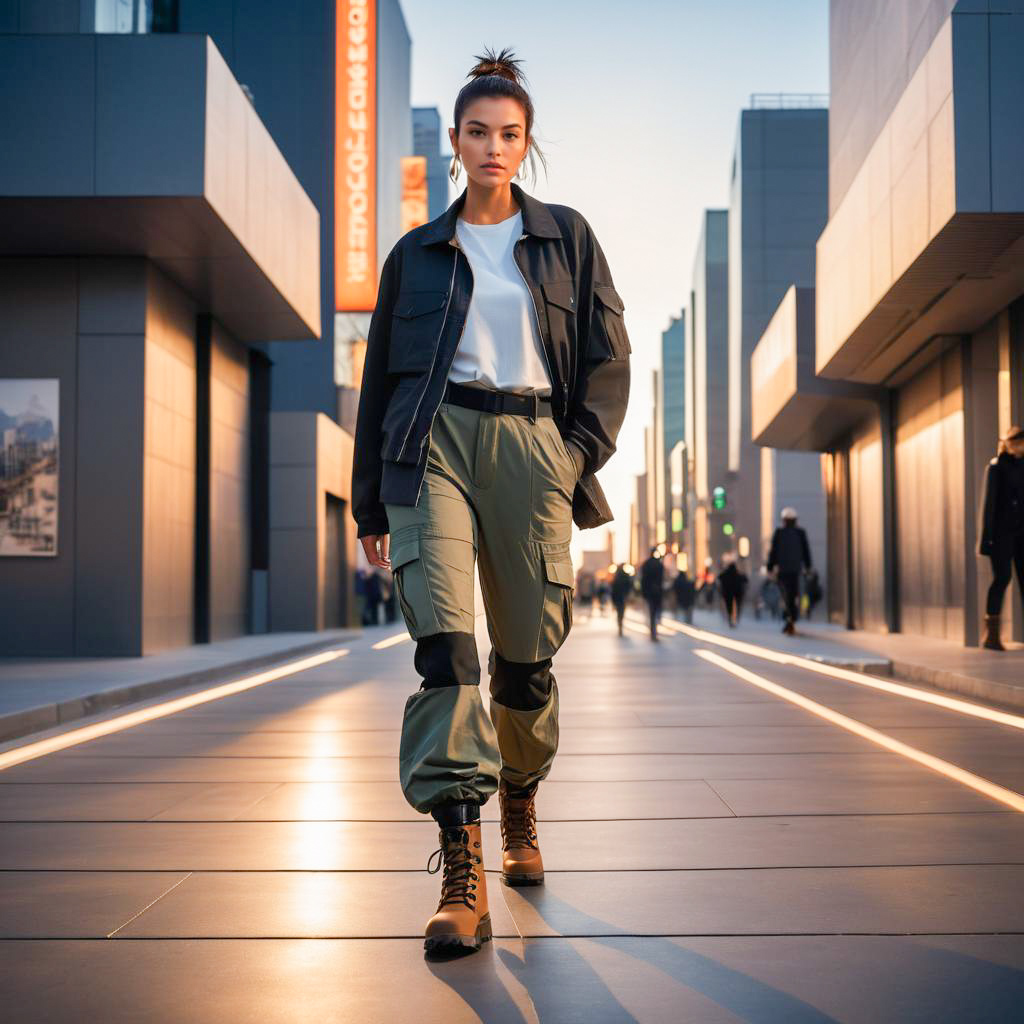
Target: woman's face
column 492, row 140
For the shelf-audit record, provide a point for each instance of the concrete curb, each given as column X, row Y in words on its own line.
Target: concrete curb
column 46, row 716
column 968, row 686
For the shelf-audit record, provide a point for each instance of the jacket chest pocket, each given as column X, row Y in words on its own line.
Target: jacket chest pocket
column 560, row 306
column 415, row 325
column 607, row 324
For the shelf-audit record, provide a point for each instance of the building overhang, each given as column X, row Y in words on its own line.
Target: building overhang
column 929, row 238
column 790, row 407
column 145, row 145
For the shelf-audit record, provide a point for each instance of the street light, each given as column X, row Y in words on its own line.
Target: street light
column 744, row 547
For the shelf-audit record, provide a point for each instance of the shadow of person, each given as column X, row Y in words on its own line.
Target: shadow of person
column 742, row 995
column 475, row 980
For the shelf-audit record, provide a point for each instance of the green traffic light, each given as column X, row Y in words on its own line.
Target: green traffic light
column 718, row 499
column 727, row 529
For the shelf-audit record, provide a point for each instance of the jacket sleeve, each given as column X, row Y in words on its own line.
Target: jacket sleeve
column 374, row 395
column 805, row 545
column 986, row 542
column 773, row 554
column 600, row 391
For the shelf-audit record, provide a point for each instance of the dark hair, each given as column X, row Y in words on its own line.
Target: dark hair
column 500, row 75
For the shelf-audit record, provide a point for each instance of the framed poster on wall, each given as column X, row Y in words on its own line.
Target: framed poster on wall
column 28, row 466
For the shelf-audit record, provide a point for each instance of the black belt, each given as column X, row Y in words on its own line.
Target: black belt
column 532, row 405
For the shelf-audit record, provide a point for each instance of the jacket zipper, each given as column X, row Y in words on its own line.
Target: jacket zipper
column 543, row 342
column 455, row 243
column 433, row 361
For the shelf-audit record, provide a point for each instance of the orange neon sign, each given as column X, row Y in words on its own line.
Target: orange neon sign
column 355, row 156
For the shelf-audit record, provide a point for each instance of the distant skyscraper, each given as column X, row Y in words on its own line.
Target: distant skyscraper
column 673, row 402
column 426, row 135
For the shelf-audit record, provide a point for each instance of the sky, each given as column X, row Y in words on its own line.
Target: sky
column 637, row 107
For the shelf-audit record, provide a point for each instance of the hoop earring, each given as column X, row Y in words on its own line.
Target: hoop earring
column 456, row 168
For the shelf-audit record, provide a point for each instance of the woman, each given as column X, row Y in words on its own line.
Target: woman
column 1002, row 528
column 495, row 382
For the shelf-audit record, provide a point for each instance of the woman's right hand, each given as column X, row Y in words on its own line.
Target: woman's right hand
column 375, row 547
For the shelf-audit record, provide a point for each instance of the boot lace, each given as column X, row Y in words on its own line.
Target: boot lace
column 458, row 883
column 518, row 823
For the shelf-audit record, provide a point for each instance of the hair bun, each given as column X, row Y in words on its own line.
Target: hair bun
column 504, row 65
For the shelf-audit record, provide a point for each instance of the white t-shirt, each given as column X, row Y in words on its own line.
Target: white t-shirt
column 501, row 345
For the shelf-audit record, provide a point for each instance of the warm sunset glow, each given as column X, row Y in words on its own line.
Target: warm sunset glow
column 30, row 751
column 936, row 764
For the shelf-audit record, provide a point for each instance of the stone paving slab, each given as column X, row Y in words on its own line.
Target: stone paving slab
column 39, row 693
column 708, row 860
column 768, row 979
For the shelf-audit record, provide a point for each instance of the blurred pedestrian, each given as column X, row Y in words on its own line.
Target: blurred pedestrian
column 1002, row 528
column 790, row 552
column 652, row 587
column 622, row 587
column 732, row 584
column 685, row 594
column 371, row 609
column 603, row 592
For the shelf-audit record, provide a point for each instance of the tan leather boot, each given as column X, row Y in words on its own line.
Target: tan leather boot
column 462, row 921
column 992, row 640
column 521, row 862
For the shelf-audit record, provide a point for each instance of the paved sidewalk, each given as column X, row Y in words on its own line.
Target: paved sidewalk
column 38, row 693
column 714, row 854
column 993, row 676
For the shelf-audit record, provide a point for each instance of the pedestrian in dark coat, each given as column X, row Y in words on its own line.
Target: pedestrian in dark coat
column 1002, row 528
column 622, row 587
column 686, row 593
column 652, row 584
column 790, row 552
column 732, row 584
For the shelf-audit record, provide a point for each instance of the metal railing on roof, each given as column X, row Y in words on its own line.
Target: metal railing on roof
column 787, row 100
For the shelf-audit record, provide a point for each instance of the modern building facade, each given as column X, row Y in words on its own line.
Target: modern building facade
column 428, row 143
column 673, row 416
column 778, row 207
column 708, row 428
column 167, row 254
column 918, row 311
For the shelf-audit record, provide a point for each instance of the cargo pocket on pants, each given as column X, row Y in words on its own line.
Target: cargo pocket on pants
column 559, row 584
column 411, row 583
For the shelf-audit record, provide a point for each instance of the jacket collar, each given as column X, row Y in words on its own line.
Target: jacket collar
column 537, row 219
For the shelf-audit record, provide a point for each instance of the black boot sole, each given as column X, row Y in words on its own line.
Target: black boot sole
column 452, row 947
column 522, row 881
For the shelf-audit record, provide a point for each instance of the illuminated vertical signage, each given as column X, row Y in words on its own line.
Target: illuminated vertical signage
column 414, row 192
column 355, row 156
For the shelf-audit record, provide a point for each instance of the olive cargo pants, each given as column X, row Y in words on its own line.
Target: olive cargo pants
column 498, row 487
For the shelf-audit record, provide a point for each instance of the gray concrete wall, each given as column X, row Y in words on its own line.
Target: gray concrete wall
column 875, row 46
column 169, row 467
column 119, row 336
column 778, row 206
column 229, row 486
column 310, row 458
column 867, row 528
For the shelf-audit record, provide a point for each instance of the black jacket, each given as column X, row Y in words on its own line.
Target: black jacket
column 652, row 578
column 790, row 550
column 1003, row 502
column 425, row 288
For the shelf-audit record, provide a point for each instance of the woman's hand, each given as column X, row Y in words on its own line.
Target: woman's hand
column 375, row 547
